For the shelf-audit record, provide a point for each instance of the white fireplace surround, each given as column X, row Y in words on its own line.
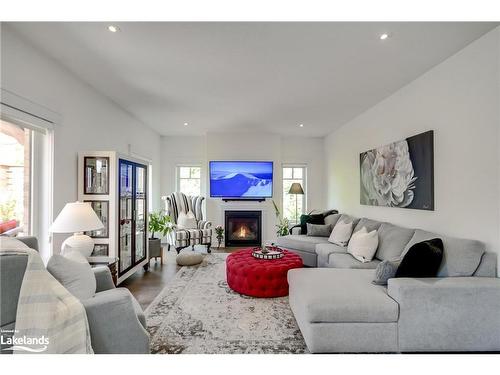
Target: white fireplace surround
column 247, row 206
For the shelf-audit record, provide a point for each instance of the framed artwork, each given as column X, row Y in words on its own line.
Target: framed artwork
column 101, row 208
column 100, row 250
column 400, row 174
column 96, row 175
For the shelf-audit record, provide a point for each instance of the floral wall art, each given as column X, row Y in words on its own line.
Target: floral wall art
column 400, row 174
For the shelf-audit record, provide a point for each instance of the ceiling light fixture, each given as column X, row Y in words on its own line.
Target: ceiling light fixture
column 113, row 28
column 301, row 125
column 384, row 36
column 185, row 124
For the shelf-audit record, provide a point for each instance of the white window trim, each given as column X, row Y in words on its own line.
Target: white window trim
column 178, row 179
column 23, row 112
column 304, row 186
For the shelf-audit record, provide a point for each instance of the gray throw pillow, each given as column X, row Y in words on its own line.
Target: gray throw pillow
column 318, row 230
column 385, row 270
column 77, row 277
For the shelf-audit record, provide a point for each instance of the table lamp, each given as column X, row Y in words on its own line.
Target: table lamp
column 296, row 189
column 76, row 218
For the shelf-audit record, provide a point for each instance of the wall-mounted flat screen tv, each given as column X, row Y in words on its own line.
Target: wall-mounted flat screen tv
column 241, row 179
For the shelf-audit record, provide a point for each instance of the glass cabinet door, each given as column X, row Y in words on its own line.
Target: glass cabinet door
column 125, row 209
column 140, row 213
column 133, row 215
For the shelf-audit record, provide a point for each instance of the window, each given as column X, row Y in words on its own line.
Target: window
column 294, row 204
column 26, row 169
column 189, row 180
column 15, row 178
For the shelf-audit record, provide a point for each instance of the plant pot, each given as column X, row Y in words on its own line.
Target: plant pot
column 154, row 247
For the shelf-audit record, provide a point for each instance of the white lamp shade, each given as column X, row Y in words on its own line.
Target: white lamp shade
column 76, row 217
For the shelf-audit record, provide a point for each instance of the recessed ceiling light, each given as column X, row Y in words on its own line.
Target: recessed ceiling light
column 113, row 28
column 185, row 124
column 384, row 36
column 301, row 125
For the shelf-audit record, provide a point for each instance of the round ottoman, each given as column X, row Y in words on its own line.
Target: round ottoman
column 189, row 259
column 260, row 277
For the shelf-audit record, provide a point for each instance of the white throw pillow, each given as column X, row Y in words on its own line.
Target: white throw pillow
column 186, row 221
column 363, row 245
column 75, row 275
column 341, row 233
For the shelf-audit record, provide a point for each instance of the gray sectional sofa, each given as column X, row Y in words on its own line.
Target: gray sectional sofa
column 339, row 309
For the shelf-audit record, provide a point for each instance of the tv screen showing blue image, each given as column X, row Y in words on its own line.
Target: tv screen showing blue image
column 241, row 179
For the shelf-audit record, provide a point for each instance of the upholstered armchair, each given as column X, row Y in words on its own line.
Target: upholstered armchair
column 182, row 238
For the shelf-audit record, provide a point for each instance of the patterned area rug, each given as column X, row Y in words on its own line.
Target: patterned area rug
column 198, row 313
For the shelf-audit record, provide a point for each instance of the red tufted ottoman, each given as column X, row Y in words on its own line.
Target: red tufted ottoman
column 260, row 277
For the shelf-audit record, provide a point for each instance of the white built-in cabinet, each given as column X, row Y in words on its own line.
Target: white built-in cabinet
column 116, row 186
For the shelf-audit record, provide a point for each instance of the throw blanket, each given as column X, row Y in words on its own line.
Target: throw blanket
column 49, row 319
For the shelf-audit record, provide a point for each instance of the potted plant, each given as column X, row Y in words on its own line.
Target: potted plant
column 283, row 225
column 158, row 223
column 219, row 231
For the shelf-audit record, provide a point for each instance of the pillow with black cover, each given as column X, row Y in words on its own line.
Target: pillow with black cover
column 329, row 212
column 317, row 219
column 422, row 259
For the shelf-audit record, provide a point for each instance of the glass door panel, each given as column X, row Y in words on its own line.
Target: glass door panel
column 140, row 213
column 126, row 222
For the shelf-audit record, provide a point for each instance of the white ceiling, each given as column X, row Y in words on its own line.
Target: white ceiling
column 249, row 76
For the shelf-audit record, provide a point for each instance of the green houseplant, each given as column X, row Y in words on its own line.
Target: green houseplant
column 283, row 224
column 219, row 231
column 161, row 224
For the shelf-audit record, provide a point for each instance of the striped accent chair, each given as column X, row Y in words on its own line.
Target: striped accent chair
column 181, row 238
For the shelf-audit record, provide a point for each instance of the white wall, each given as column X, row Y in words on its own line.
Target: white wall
column 246, row 146
column 180, row 150
column 459, row 100
column 90, row 121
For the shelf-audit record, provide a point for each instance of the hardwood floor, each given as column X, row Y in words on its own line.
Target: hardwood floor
column 145, row 286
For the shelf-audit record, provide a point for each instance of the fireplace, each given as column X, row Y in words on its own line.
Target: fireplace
column 243, row 228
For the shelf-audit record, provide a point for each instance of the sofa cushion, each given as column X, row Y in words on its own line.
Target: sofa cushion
column 312, row 219
column 392, row 241
column 12, row 267
column 76, row 276
column 357, row 301
column 461, row 257
column 347, row 219
column 422, row 259
column 332, row 219
column 368, row 224
column 300, row 242
column 363, row 245
column 341, row 233
column 385, row 270
column 318, row 230
column 328, row 248
column 337, row 260
column 323, row 250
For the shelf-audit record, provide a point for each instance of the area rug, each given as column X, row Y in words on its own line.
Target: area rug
column 198, row 313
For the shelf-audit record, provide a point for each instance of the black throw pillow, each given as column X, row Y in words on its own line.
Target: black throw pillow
column 329, row 212
column 311, row 219
column 422, row 259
